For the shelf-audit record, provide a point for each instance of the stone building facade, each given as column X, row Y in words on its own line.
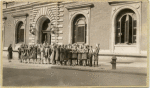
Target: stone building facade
column 120, row 27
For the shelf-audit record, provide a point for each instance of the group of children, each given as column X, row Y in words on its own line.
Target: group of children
column 71, row 54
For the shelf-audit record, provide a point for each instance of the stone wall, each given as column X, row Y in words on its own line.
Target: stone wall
column 100, row 23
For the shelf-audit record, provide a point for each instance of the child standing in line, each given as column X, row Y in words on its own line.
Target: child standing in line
column 84, row 55
column 90, row 55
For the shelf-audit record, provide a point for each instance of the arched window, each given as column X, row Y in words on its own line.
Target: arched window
column 126, row 27
column 20, row 33
column 79, row 29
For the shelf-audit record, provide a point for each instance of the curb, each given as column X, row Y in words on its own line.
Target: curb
column 98, row 70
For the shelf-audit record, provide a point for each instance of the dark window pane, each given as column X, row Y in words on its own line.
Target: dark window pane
column 80, row 34
column 126, row 29
column 79, row 29
column 134, row 31
column 130, row 29
column 134, row 39
column 134, row 23
column 123, row 23
column 118, row 24
column 20, row 33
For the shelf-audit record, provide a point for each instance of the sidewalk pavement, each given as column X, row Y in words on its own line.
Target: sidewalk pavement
column 137, row 68
column 107, row 68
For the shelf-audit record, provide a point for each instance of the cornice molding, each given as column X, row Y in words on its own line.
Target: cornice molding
column 113, row 3
column 25, row 6
column 79, row 5
column 19, row 15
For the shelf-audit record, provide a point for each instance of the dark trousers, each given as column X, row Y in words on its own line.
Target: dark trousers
column 90, row 61
column 79, row 62
column 96, row 61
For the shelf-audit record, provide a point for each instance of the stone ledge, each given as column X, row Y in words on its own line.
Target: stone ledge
column 19, row 15
column 122, row 2
column 123, row 55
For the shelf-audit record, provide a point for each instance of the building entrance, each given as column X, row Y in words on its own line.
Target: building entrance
column 45, row 32
column 46, row 37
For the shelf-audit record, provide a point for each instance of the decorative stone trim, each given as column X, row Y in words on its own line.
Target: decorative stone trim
column 116, row 8
column 53, row 38
column 31, row 43
column 60, row 15
column 25, row 6
column 61, row 6
column 59, row 43
column 122, row 2
column 31, row 38
column 53, row 35
column 51, row 12
column 16, row 20
column 60, row 32
column 61, row 10
column 60, row 38
column 20, row 15
column 60, row 20
column 74, row 10
column 79, row 5
column 60, row 26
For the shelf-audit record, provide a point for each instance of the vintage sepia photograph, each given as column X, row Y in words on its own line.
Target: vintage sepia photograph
column 75, row 43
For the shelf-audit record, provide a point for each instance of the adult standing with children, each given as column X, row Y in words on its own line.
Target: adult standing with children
column 61, row 54
column 96, row 52
column 10, row 54
column 57, row 58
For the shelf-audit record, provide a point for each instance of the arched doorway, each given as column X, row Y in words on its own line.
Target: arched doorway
column 44, row 30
